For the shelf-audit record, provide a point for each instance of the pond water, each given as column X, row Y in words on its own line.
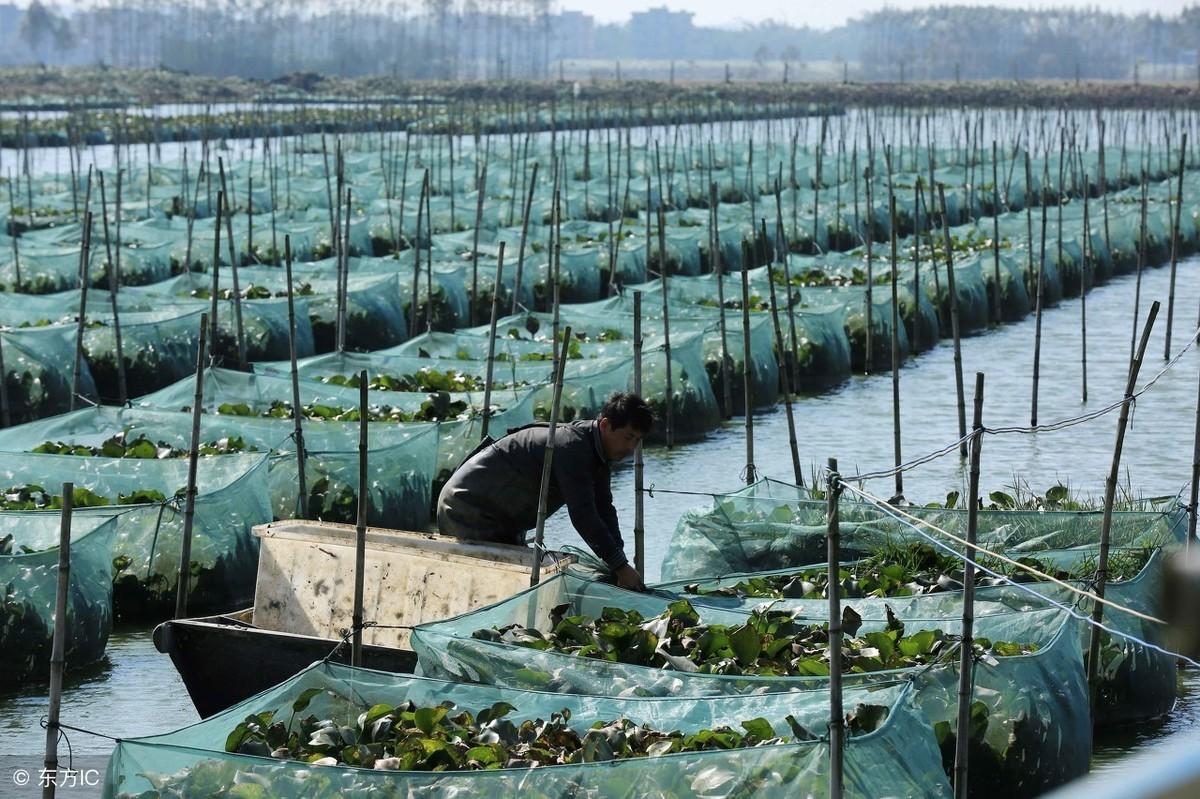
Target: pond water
column 136, row 692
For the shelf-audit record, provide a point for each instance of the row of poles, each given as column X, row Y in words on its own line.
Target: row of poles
column 834, row 485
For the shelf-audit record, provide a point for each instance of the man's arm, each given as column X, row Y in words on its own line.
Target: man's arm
column 592, row 513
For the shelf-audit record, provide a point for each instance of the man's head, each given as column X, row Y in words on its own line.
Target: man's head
column 624, row 420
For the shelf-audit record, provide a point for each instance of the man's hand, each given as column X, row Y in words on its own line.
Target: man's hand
column 628, row 578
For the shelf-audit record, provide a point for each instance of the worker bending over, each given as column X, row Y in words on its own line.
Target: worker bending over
column 493, row 495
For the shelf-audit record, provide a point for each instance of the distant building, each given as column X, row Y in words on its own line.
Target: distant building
column 661, row 33
column 573, row 34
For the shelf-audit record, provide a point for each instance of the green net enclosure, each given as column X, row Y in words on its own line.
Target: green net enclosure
column 29, row 582
column 375, row 314
column 457, row 416
column 898, row 758
column 401, row 465
column 1136, row 680
column 1032, row 729
column 146, row 497
column 38, row 371
column 768, row 527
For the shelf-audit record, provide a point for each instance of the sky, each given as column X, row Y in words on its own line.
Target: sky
column 827, row 14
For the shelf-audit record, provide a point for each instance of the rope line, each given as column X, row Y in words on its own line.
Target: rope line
column 909, row 519
column 1041, row 597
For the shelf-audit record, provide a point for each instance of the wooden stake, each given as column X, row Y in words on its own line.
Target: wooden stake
column 666, row 313
column 954, row 328
column 1083, row 289
column 999, row 315
column 837, row 724
column 747, row 381
column 297, row 414
column 797, row 475
column 12, row 203
column 413, row 307
column 239, row 331
column 480, row 190
column 966, row 663
column 1037, row 336
column 726, row 387
column 491, row 356
column 216, row 269
column 1141, row 261
column 360, row 530
column 58, row 645
column 895, row 347
column 84, row 260
column 189, row 506
column 524, row 236
column 113, row 283
column 1194, row 496
column 548, row 461
column 1175, row 245
column 639, row 465
column 5, row 415
column 1110, row 493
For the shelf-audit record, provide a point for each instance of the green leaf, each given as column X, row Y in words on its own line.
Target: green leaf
column 746, row 644
column 1002, row 500
column 851, row 621
column 919, row 643
column 884, row 643
column 759, row 728
column 301, row 703
column 427, row 718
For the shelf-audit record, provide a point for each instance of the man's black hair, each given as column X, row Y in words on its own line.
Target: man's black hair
column 625, row 408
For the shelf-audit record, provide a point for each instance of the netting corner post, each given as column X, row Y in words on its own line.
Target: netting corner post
column 58, row 646
column 837, row 724
column 189, row 506
column 966, row 677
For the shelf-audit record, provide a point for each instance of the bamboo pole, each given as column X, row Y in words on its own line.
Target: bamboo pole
column 747, row 381
column 797, row 475
column 1194, row 496
column 999, row 315
column 189, row 506
column 966, row 664
column 297, row 414
column 5, row 414
column 58, row 645
column 837, row 724
column 12, row 203
column 869, row 355
column 413, row 307
column 954, row 327
column 216, row 269
column 914, row 337
column 360, row 530
column 113, row 283
column 639, row 464
column 480, row 190
column 666, row 314
column 1110, row 493
column 726, row 387
column 547, row 462
column 491, row 356
column 1083, row 290
column 343, row 275
column 84, row 258
column 239, row 331
column 1141, row 262
column 1037, row 336
column 1175, row 245
column 895, row 348
column 524, row 236
column 783, row 248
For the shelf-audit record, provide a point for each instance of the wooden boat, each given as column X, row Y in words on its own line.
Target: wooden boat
column 303, row 605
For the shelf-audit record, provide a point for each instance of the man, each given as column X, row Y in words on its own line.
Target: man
column 493, row 496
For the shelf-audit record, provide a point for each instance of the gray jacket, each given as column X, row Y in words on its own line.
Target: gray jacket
column 493, row 495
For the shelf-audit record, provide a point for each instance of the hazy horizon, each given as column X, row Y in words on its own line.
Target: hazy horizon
column 822, row 15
